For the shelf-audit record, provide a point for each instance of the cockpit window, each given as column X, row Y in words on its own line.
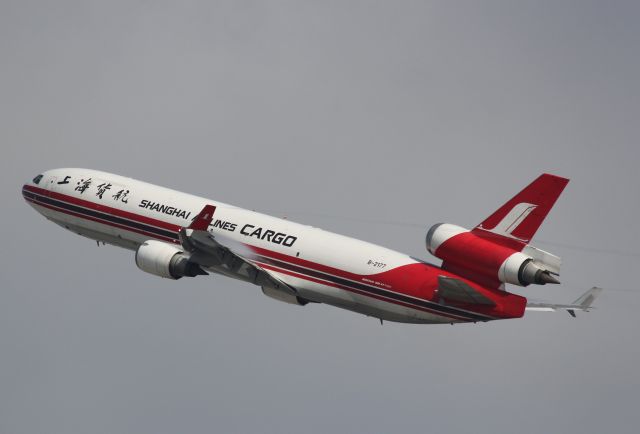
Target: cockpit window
column 37, row 179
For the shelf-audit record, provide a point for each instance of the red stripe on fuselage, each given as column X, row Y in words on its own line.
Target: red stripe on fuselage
column 267, row 266
column 415, row 279
column 419, row 282
column 103, row 208
column 367, row 294
column 97, row 220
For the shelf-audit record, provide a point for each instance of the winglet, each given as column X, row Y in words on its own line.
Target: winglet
column 203, row 220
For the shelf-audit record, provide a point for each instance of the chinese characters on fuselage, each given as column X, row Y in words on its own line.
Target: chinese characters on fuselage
column 122, row 195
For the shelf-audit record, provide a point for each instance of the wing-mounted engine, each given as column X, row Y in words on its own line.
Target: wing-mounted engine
column 488, row 260
column 201, row 248
column 166, row 260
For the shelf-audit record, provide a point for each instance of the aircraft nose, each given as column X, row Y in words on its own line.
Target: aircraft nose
column 25, row 192
column 29, row 187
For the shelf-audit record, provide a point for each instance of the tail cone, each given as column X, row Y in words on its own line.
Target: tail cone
column 546, row 277
column 530, row 272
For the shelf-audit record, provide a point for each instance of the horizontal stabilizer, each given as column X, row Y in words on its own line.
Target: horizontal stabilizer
column 586, row 300
column 457, row 290
column 583, row 303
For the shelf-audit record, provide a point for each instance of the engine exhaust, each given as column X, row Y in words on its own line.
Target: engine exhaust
column 532, row 273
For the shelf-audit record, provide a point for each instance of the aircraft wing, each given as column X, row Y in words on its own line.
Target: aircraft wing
column 453, row 289
column 583, row 303
column 207, row 251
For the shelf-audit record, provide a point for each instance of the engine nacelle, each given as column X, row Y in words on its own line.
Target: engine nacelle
column 441, row 232
column 520, row 269
column 283, row 296
column 166, row 260
column 477, row 257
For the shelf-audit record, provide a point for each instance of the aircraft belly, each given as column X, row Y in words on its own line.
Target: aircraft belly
column 93, row 230
column 362, row 304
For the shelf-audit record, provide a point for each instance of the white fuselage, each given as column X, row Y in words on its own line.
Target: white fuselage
column 322, row 266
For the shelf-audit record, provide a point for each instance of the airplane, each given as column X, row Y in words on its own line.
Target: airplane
column 177, row 235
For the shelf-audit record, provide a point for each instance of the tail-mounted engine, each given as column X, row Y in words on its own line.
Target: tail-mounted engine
column 166, row 260
column 486, row 258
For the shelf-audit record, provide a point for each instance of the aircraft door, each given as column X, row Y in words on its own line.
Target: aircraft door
column 51, row 183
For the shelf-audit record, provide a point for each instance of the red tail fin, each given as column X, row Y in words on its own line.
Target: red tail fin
column 520, row 218
column 203, row 220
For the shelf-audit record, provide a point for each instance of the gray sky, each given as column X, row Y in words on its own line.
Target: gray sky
column 340, row 115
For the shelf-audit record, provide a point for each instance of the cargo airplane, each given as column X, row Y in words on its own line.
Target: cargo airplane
column 177, row 235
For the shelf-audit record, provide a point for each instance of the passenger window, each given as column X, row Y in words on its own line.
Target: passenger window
column 37, row 179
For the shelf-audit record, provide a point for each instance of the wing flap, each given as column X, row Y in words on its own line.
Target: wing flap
column 207, row 251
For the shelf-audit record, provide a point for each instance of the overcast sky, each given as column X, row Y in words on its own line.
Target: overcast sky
column 371, row 119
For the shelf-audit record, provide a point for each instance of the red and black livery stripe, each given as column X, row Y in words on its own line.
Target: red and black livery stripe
column 275, row 261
